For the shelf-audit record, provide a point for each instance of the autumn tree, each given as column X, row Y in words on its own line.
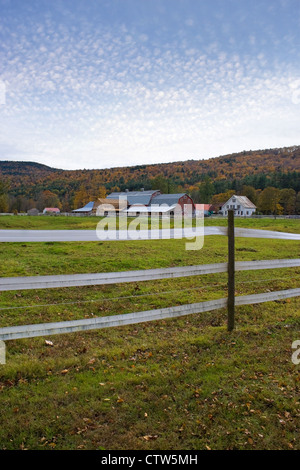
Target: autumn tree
column 3, row 196
column 102, row 192
column 81, row 197
column 297, row 204
column 222, row 197
column 268, row 202
column 250, row 193
column 288, row 200
column 165, row 185
column 206, row 191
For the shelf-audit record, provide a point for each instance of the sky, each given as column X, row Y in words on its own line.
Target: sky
column 112, row 83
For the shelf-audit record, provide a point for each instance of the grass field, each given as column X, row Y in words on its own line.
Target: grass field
column 180, row 384
column 89, row 223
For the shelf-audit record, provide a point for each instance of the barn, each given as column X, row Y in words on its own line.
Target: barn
column 173, row 201
column 142, row 197
column 154, row 203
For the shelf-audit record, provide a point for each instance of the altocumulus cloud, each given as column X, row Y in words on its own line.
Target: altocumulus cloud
column 79, row 93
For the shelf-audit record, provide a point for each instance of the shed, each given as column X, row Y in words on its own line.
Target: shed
column 51, row 210
column 87, row 209
column 33, row 211
column 206, row 209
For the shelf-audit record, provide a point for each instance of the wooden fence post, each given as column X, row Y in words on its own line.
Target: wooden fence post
column 231, row 271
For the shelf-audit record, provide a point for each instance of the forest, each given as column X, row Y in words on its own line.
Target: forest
column 270, row 178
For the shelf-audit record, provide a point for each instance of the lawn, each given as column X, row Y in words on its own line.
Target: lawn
column 44, row 222
column 181, row 384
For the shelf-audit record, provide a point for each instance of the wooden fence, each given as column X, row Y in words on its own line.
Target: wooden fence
column 45, row 282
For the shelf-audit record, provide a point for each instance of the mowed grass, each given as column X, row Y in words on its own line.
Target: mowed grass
column 47, row 222
column 43, row 222
column 181, row 384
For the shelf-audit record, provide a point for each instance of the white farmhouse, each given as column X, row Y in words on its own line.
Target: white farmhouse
column 241, row 205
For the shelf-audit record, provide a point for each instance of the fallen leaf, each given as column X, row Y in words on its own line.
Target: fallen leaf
column 150, row 438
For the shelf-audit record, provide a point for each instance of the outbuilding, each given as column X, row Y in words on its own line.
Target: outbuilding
column 51, row 210
column 85, row 210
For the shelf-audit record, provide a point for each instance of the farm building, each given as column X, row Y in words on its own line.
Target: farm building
column 139, row 202
column 106, row 206
column 102, row 206
column 33, row 211
column 153, row 202
column 87, row 209
column 205, row 209
column 174, row 200
column 51, row 210
column 142, row 197
column 241, row 205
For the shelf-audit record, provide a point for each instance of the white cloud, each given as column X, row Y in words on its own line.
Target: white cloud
column 114, row 98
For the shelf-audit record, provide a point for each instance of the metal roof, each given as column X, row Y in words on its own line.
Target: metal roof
column 51, row 209
column 243, row 200
column 134, row 197
column 246, row 202
column 87, row 208
column 169, row 199
column 150, row 209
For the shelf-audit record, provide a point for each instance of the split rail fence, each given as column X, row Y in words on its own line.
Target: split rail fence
column 231, row 301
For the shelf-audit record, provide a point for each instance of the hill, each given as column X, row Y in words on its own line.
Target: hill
column 28, row 181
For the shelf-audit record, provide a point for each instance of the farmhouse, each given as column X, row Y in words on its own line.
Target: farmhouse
column 241, row 205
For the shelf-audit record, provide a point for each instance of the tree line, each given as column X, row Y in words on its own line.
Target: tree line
column 268, row 199
column 24, row 185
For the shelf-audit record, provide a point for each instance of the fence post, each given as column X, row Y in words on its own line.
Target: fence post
column 231, row 271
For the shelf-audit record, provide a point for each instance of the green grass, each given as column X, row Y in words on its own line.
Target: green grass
column 43, row 222
column 187, row 384
column 181, row 384
column 89, row 223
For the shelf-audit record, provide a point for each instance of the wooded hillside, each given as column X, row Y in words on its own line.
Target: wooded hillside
column 24, row 185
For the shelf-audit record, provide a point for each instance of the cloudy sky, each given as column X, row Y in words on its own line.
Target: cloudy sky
column 106, row 83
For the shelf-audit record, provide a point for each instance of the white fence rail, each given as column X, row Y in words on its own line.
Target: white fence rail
column 47, row 329
column 44, row 282
column 75, row 280
column 93, row 235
